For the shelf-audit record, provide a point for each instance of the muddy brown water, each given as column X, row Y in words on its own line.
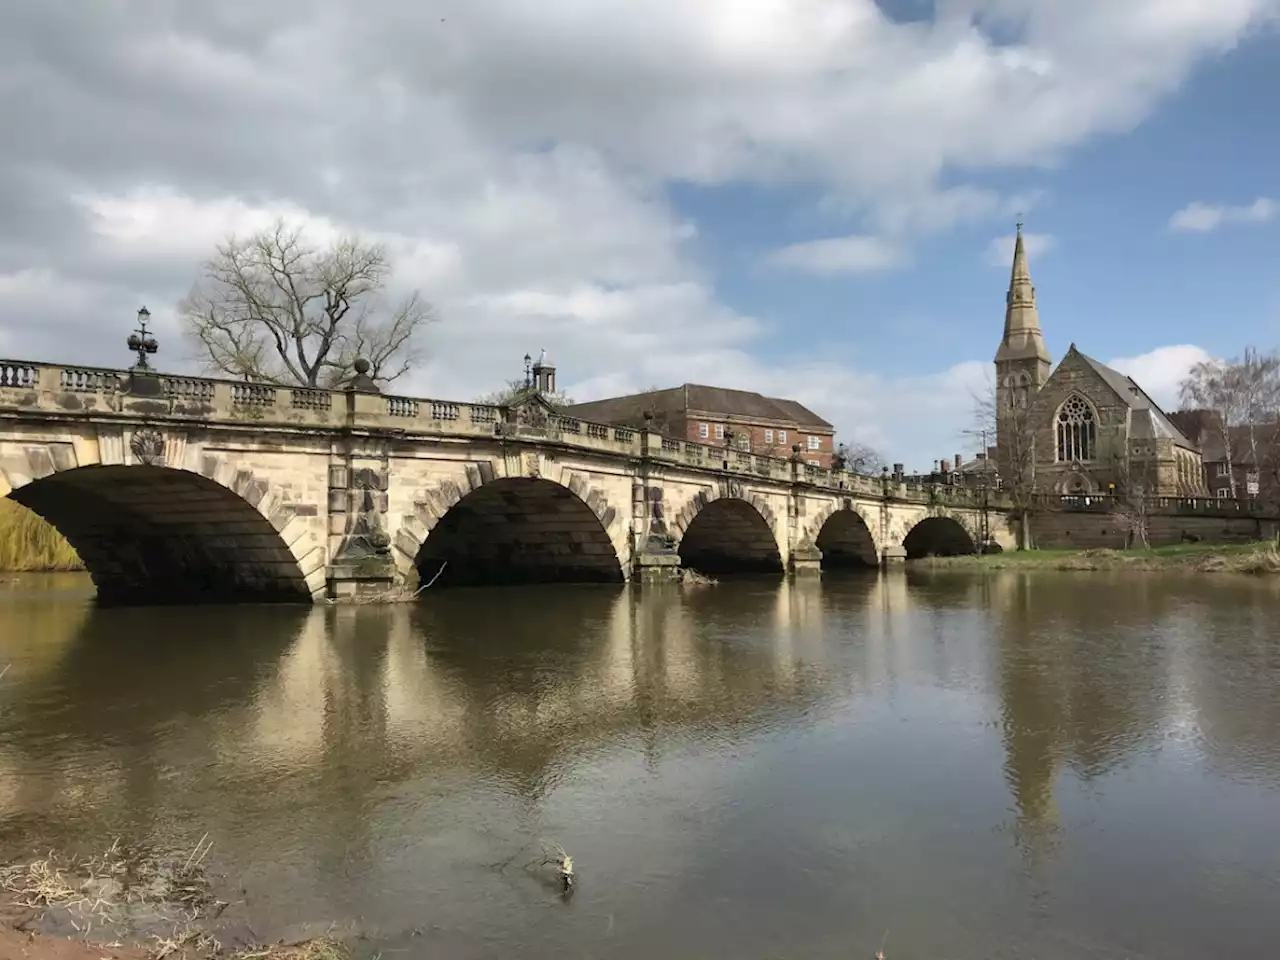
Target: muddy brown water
column 1041, row 765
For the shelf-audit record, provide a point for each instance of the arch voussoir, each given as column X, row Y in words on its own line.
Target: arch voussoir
column 434, row 506
column 150, row 529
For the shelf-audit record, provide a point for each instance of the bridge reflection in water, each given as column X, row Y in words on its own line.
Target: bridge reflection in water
column 880, row 741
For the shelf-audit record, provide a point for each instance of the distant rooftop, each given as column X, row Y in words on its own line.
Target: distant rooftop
column 695, row 398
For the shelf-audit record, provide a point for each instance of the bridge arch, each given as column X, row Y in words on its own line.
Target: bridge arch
column 150, row 534
column 728, row 534
column 844, row 537
column 509, row 530
column 938, row 537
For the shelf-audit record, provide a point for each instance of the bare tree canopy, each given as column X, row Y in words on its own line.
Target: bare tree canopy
column 1243, row 392
column 1135, row 483
column 272, row 308
column 1012, row 428
column 857, row 456
column 517, row 390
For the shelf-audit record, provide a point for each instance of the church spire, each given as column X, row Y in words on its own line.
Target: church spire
column 1023, row 339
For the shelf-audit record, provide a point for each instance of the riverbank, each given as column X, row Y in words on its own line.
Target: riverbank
column 17, row 945
column 131, row 904
column 1252, row 558
column 28, row 544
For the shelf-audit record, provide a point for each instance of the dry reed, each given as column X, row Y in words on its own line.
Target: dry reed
column 28, row 543
column 102, row 889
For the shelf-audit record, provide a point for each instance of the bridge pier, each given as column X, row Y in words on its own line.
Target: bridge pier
column 806, row 560
column 893, row 554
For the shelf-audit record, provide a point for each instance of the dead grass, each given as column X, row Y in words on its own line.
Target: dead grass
column 29, row 544
column 321, row 948
column 151, row 905
column 108, row 894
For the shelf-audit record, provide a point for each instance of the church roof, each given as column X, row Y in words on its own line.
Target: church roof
column 1147, row 421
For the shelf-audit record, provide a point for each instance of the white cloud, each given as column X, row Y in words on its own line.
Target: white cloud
column 516, row 158
column 1000, row 249
column 836, row 255
column 154, row 223
column 1198, row 217
column 1161, row 371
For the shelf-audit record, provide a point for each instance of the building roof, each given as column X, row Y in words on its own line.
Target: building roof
column 695, row 397
column 1265, row 435
column 1147, row 420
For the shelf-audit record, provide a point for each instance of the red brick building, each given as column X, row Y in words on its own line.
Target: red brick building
column 1254, row 460
column 721, row 417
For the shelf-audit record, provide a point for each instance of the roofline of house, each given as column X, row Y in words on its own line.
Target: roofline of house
column 813, row 426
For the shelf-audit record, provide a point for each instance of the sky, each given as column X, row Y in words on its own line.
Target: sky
column 814, row 199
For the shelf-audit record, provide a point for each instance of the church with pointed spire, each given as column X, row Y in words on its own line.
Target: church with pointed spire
column 1080, row 428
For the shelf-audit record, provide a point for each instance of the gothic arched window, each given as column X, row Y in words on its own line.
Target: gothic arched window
column 1077, row 431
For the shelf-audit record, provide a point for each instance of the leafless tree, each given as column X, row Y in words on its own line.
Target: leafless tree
column 1135, row 484
column 1015, row 455
column 858, row 457
column 517, row 390
column 1242, row 393
column 273, row 308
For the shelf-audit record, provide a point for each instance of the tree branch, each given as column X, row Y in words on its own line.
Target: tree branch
column 272, row 308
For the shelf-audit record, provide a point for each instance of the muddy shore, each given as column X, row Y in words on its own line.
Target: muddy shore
column 132, row 903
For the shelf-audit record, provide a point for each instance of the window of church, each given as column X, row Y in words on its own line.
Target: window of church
column 1077, row 431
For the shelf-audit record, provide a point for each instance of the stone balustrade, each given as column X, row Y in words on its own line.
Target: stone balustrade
column 62, row 390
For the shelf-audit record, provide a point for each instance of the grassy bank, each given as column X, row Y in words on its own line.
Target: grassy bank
column 1256, row 558
column 28, row 543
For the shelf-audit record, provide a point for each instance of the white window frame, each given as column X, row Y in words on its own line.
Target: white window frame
column 814, row 463
column 1222, row 470
column 1222, row 492
column 704, row 431
column 719, row 431
column 768, row 436
column 815, row 443
column 782, row 436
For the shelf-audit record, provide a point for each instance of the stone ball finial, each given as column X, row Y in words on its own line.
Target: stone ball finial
column 795, row 448
column 362, row 366
column 648, row 416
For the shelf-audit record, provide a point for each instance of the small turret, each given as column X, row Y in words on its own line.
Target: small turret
column 544, row 374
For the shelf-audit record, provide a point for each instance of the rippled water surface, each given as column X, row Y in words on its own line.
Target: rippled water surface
column 1046, row 765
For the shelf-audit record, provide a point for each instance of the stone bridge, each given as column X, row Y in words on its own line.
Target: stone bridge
column 182, row 489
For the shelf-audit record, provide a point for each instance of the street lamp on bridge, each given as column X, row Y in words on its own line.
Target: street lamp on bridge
column 141, row 341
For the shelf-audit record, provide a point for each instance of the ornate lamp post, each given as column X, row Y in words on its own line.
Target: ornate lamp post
column 528, row 371
column 142, row 342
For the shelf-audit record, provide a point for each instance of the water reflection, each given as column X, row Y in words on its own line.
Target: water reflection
column 795, row 763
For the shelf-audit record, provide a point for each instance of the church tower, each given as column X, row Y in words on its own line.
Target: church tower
column 1022, row 361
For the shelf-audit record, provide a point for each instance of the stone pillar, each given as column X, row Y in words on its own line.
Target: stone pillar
column 806, row 560
column 654, row 554
column 894, row 554
column 359, row 474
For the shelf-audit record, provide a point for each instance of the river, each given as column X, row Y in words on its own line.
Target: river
column 1030, row 765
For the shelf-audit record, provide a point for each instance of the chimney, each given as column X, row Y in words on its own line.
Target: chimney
column 897, row 471
column 959, row 462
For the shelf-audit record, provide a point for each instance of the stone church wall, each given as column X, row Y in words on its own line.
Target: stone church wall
column 1075, row 376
